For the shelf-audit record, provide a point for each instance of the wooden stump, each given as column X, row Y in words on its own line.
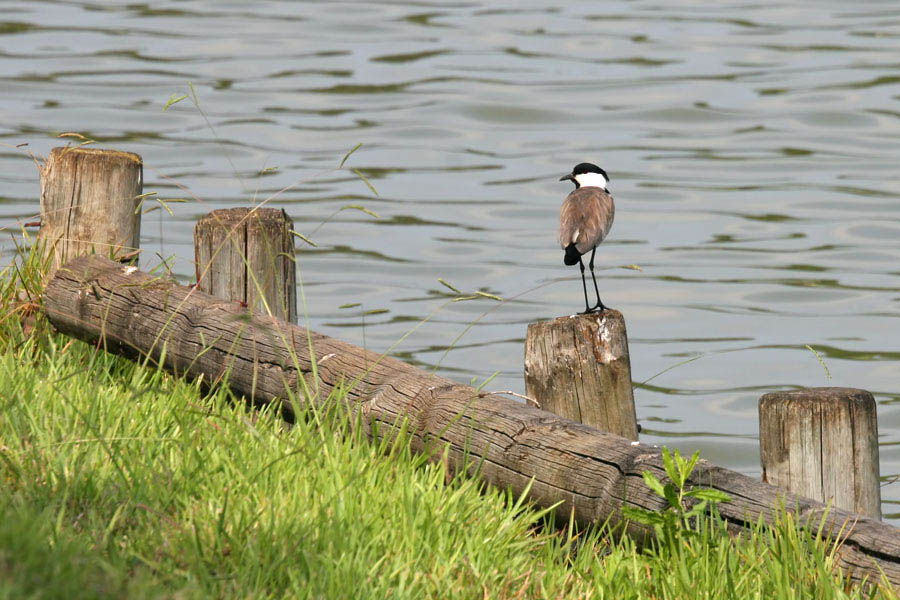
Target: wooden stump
column 578, row 368
column 247, row 255
column 822, row 443
column 90, row 202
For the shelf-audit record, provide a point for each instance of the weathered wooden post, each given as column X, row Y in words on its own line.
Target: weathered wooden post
column 90, row 202
column 578, row 367
column 822, row 443
column 247, row 255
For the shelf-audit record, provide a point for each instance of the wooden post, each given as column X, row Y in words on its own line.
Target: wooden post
column 578, row 368
column 90, row 202
column 822, row 443
column 247, row 255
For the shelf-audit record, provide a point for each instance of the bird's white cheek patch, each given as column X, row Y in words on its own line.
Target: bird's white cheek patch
column 591, row 180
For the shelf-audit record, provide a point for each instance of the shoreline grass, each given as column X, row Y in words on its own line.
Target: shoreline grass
column 118, row 480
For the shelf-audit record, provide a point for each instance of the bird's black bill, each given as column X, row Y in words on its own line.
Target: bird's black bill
column 568, row 177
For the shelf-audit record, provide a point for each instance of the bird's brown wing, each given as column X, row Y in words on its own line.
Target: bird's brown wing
column 585, row 218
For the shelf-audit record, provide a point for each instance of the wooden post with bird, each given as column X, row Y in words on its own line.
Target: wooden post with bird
column 822, row 443
column 578, row 366
column 247, row 255
column 90, row 202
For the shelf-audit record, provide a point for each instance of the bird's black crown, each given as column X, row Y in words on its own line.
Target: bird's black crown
column 584, row 167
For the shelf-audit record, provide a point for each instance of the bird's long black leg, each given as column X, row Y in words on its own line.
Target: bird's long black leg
column 587, row 307
column 594, row 279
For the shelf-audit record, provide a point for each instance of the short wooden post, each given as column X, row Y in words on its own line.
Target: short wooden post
column 578, row 367
column 90, row 202
column 247, row 255
column 822, row 443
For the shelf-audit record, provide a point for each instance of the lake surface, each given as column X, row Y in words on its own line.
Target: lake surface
column 753, row 150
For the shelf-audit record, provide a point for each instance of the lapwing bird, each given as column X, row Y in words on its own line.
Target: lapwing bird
column 584, row 220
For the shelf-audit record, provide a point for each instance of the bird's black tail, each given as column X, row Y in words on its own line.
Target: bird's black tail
column 572, row 255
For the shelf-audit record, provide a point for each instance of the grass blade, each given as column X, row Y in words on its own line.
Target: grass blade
column 366, row 181
column 173, row 99
column 448, row 286
column 304, row 238
column 346, row 156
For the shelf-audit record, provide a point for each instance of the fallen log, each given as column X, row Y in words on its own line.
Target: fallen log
column 593, row 473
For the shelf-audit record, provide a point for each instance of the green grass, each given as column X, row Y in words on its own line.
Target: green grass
column 120, row 481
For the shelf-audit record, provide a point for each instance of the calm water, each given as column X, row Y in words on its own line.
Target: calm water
column 752, row 146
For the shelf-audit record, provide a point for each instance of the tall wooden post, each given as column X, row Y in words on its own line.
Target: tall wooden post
column 90, row 202
column 247, row 255
column 578, row 367
column 822, row 443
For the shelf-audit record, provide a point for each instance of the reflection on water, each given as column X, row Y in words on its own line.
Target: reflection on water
column 752, row 151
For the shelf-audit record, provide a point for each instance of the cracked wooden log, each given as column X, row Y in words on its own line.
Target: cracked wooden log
column 90, row 202
column 578, row 367
column 593, row 473
column 247, row 255
column 822, row 443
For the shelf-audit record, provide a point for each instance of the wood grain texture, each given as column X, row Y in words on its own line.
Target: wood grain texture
column 822, row 443
column 247, row 255
column 592, row 472
column 578, row 367
column 90, row 202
